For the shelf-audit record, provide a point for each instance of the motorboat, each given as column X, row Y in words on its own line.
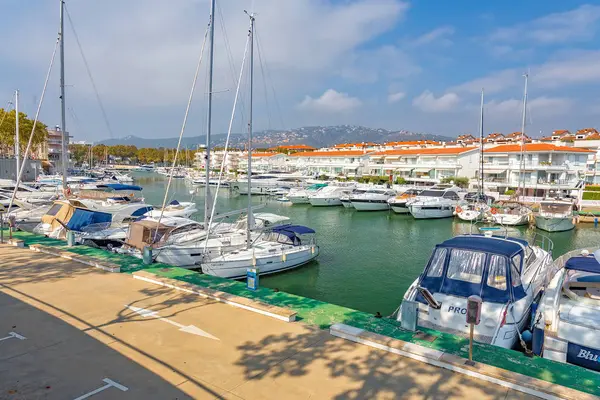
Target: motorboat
column 328, row 196
column 184, row 209
column 511, row 213
column 555, row 215
column 507, row 273
column 372, row 200
column 144, row 168
column 472, row 211
column 24, row 192
column 282, row 248
column 436, row 202
column 399, row 203
column 345, row 198
column 567, row 321
column 300, row 195
column 262, row 183
column 69, row 215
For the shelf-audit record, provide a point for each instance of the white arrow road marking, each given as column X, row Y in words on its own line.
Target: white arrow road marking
column 109, row 383
column 188, row 329
column 13, row 335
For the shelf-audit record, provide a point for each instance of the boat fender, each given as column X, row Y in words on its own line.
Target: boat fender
column 458, row 209
column 494, row 210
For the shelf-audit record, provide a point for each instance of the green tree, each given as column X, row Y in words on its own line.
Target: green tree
column 458, row 181
column 7, row 132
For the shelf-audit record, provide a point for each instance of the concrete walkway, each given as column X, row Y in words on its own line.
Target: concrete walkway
column 87, row 330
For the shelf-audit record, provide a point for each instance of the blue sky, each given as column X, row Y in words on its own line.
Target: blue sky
column 380, row 63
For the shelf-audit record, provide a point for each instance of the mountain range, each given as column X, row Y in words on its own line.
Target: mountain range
column 316, row 136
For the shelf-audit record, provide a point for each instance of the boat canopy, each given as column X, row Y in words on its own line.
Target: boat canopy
column 119, row 186
column 489, row 267
column 82, row 217
column 292, row 229
column 584, row 264
column 60, row 213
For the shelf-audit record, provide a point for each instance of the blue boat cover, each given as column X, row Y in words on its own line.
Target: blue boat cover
column 141, row 211
column 82, row 217
column 496, row 245
column 120, row 186
column 174, row 203
column 585, row 264
column 297, row 229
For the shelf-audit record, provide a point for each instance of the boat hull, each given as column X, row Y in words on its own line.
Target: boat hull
column 470, row 215
column 374, row 205
column 299, row 199
column 510, row 219
column 324, row 201
column 399, row 208
column 430, row 212
column 554, row 224
column 347, row 203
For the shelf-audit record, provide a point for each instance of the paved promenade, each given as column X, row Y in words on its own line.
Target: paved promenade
column 69, row 331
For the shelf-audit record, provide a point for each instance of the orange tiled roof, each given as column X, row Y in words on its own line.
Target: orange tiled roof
column 338, row 153
column 593, row 136
column 547, row 139
column 264, row 154
column 561, row 132
column 293, row 147
column 567, row 138
column 494, row 135
column 346, row 145
column 411, row 143
column 429, row 151
column 535, row 147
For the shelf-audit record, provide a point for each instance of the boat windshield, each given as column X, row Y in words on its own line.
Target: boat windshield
column 556, row 208
column 432, row 193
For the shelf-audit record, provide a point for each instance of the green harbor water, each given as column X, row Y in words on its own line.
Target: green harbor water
column 368, row 259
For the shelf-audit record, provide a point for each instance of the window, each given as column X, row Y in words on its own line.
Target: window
column 437, row 263
column 451, row 195
column 515, row 270
column 497, row 273
column 54, row 210
column 466, row 265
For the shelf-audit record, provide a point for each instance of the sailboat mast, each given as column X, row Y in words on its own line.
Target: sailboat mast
column 17, row 143
column 209, row 111
column 481, row 145
column 522, row 165
column 250, row 216
column 63, row 113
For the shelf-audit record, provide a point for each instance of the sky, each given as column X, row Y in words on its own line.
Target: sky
column 418, row 65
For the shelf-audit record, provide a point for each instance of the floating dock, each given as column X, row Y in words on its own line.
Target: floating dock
column 78, row 322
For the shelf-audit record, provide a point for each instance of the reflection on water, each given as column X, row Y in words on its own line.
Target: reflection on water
column 368, row 259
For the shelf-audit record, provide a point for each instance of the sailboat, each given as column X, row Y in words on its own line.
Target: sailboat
column 476, row 210
column 514, row 213
column 280, row 248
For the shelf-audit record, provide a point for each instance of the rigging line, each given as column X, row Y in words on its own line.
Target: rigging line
column 283, row 125
column 185, row 117
column 237, row 92
column 76, row 120
column 264, row 81
column 232, row 68
column 89, row 72
column 35, row 121
column 6, row 111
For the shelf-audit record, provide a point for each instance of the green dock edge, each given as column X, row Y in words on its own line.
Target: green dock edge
column 321, row 314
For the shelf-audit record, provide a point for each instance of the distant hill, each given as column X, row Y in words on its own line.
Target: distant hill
column 316, row 136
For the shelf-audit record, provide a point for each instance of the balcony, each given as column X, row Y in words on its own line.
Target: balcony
column 535, row 165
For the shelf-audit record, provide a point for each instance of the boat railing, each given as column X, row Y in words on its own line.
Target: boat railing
column 543, row 242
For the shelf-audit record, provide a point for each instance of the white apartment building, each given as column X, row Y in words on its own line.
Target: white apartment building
column 425, row 164
column 232, row 159
column 546, row 166
column 265, row 162
column 331, row 163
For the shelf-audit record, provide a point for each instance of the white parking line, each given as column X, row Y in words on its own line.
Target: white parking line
column 109, row 383
column 13, row 335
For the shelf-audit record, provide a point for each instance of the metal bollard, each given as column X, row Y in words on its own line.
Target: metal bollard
column 70, row 238
column 147, row 255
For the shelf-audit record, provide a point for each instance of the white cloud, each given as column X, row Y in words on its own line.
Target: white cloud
column 427, row 102
column 383, row 63
column 330, row 101
column 396, row 97
column 538, row 107
column 438, row 35
column 579, row 24
column 493, row 83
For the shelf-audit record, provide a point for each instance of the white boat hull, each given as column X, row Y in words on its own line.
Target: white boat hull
column 376, row 205
column 432, row 212
column 554, row 224
column 470, row 215
column 399, row 208
column 510, row 219
column 232, row 268
column 298, row 199
column 325, row 201
column 347, row 203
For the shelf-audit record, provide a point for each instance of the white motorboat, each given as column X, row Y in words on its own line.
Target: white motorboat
column 262, row 183
column 511, row 213
column 567, row 321
column 399, row 203
column 69, row 215
column 435, row 203
column 508, row 274
column 183, row 209
column 281, row 249
column 144, row 168
column 372, row 200
column 25, row 192
column 555, row 215
column 328, row 196
column 300, row 195
column 345, row 198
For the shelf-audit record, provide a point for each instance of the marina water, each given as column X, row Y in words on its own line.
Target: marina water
column 368, row 259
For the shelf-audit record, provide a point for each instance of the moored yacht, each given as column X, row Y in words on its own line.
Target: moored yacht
column 507, row 273
column 372, row 200
column 329, row 196
column 399, row 203
column 555, row 215
column 435, row 203
column 263, row 183
column 567, row 321
column 345, row 198
column 511, row 213
column 300, row 195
